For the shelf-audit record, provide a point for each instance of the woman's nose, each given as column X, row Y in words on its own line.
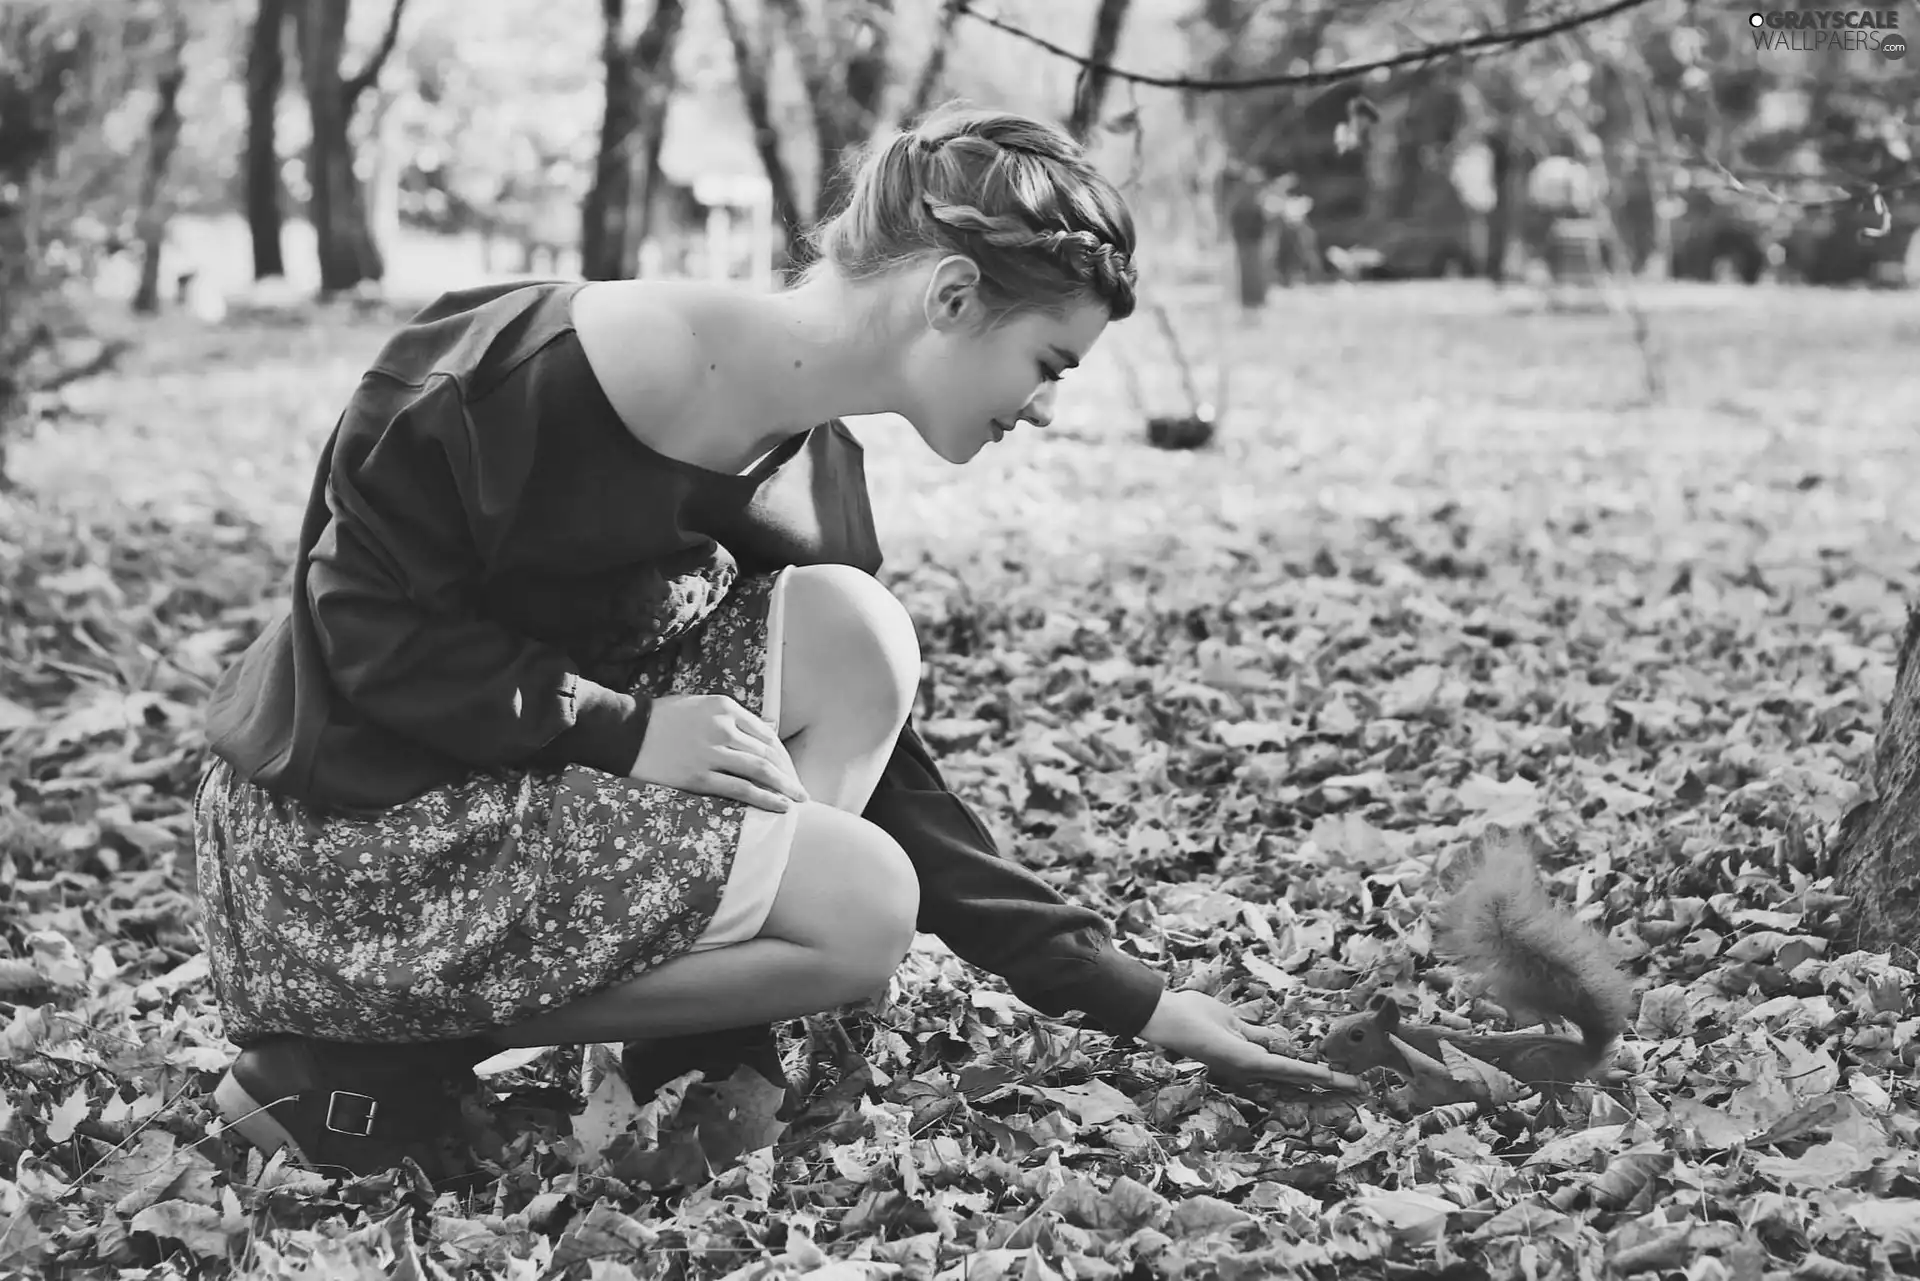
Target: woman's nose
column 1039, row 410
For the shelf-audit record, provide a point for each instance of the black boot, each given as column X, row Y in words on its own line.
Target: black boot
column 357, row 1108
column 650, row 1064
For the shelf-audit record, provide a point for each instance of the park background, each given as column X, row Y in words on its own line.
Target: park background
column 1554, row 388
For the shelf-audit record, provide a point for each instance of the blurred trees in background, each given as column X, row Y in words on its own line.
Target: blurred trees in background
column 1639, row 123
column 601, row 135
column 94, row 109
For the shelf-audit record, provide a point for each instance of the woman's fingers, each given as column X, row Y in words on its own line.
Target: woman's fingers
column 1257, row 1058
column 1264, row 1037
column 784, row 760
column 747, row 722
column 735, row 788
column 1277, row 1067
column 755, row 737
column 762, row 768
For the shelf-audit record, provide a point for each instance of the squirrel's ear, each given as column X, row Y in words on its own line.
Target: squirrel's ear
column 1386, row 1011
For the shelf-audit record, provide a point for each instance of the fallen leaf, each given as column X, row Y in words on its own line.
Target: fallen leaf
column 71, row 1112
column 1512, row 802
column 1094, row 1103
column 200, row 1228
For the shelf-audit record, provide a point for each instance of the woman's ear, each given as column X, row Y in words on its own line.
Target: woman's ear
column 953, row 294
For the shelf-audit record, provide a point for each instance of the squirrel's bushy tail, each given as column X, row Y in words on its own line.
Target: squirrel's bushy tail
column 1535, row 957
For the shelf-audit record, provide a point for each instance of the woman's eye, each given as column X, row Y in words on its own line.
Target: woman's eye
column 1051, row 375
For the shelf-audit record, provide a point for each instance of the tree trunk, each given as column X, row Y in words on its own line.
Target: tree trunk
column 653, row 66
column 1247, row 223
column 385, row 148
column 866, row 53
column 1500, row 219
column 1509, row 173
column 348, row 253
column 641, row 189
column 266, row 71
column 933, row 71
column 1091, row 86
column 603, row 221
column 1219, row 31
column 639, row 88
column 1877, row 850
column 644, row 200
column 845, row 74
column 751, row 76
column 163, row 135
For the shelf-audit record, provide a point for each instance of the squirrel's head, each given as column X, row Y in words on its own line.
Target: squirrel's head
column 1357, row 1038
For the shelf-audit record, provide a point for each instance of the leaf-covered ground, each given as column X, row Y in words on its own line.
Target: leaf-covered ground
column 1450, row 566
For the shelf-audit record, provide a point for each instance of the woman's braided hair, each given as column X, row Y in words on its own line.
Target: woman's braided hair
column 1012, row 193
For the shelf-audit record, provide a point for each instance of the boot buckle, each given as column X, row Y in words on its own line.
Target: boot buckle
column 359, row 1111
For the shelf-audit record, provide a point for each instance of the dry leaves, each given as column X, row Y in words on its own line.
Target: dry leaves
column 1245, row 702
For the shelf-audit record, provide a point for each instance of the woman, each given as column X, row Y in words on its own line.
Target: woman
column 588, row 721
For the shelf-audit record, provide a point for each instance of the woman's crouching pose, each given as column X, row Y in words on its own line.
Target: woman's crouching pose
column 586, row 682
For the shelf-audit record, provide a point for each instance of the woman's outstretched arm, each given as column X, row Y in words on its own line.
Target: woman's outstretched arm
column 998, row 915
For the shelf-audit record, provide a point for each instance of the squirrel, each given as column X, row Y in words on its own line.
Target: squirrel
column 1534, row 956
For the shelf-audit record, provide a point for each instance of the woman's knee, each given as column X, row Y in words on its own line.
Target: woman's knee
column 851, row 893
column 851, row 641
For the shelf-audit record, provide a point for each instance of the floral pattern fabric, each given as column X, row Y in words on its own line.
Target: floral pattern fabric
column 481, row 903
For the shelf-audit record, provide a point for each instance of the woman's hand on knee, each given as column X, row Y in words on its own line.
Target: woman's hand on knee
column 710, row 744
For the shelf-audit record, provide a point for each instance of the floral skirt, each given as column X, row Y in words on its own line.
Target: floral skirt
column 488, row 901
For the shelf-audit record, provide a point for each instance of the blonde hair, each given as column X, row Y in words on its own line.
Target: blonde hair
column 1014, row 194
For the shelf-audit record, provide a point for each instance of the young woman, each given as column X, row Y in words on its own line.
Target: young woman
column 589, row 721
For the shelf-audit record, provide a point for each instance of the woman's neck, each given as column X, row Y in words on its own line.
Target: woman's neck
column 829, row 351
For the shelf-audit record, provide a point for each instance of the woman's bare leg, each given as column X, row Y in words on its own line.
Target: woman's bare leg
column 842, row 921
column 850, row 669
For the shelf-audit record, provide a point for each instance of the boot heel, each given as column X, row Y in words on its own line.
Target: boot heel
column 248, row 1118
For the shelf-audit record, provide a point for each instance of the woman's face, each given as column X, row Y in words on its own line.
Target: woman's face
column 972, row 383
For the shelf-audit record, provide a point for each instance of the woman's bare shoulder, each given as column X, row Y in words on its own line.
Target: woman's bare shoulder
column 642, row 340
column 656, row 346
column 673, row 357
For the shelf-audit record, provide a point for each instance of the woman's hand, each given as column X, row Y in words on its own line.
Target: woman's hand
column 708, row 743
column 1196, row 1026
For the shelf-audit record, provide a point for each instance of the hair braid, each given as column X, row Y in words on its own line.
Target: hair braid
column 1085, row 257
column 1015, row 194
column 1109, row 271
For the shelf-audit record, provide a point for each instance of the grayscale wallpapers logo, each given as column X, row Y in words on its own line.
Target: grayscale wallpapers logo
column 1821, row 30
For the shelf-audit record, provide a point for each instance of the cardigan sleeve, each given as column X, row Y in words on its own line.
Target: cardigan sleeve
column 392, row 586
column 995, row 914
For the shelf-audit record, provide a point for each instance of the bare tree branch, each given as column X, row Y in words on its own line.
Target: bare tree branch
column 359, row 84
column 1486, row 40
column 100, row 362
